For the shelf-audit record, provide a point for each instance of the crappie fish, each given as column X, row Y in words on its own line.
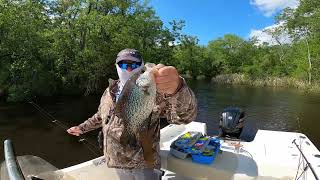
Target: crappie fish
column 135, row 104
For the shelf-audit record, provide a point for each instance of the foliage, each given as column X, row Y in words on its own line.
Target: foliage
column 69, row 47
column 50, row 47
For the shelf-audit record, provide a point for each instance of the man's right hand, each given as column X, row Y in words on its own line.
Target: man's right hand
column 75, row 130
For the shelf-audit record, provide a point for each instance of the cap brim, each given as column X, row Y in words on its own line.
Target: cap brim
column 130, row 58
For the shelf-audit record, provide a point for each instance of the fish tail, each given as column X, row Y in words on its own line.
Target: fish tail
column 128, row 139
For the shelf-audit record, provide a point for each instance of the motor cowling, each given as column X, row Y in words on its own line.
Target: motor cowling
column 231, row 122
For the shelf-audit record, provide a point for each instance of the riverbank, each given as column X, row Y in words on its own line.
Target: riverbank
column 241, row 79
column 236, row 79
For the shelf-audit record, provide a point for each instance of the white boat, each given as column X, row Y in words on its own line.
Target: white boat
column 271, row 155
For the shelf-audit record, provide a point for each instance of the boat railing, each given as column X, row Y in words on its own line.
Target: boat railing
column 13, row 167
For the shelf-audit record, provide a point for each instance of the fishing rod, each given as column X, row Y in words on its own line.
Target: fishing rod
column 308, row 163
column 299, row 147
column 62, row 125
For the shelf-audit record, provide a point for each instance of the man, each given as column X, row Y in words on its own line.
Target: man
column 175, row 101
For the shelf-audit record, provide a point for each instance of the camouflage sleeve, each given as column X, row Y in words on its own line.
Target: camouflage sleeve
column 181, row 108
column 95, row 121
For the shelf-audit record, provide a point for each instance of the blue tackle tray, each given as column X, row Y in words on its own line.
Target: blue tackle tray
column 180, row 148
column 209, row 154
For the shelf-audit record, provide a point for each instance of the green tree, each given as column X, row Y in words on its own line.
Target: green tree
column 26, row 66
column 303, row 25
column 69, row 47
column 188, row 56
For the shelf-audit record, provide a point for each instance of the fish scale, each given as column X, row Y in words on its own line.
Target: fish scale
column 135, row 104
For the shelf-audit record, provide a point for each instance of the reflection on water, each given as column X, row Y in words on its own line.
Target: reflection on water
column 266, row 108
column 279, row 109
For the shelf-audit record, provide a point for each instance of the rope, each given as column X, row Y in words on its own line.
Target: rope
column 304, row 170
column 87, row 146
column 247, row 152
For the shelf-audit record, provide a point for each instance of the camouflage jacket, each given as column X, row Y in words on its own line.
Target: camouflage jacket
column 180, row 108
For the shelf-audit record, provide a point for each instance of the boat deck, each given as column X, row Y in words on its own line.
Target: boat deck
column 271, row 155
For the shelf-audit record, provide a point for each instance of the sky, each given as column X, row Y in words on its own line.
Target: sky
column 211, row 19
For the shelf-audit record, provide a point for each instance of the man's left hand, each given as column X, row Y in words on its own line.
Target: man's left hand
column 167, row 79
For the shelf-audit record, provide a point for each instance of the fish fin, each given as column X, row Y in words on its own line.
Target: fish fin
column 148, row 154
column 128, row 139
column 149, row 65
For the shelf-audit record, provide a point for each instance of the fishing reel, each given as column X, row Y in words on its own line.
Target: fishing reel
column 231, row 122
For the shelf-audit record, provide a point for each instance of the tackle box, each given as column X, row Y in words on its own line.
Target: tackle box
column 182, row 146
column 202, row 149
column 208, row 155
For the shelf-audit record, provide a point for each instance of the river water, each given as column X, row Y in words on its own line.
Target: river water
column 280, row 109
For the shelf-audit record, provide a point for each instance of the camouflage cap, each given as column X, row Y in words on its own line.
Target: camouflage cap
column 129, row 54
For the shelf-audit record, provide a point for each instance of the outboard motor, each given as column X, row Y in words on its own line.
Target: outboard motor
column 231, row 122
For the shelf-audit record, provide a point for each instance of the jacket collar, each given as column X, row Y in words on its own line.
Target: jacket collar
column 113, row 88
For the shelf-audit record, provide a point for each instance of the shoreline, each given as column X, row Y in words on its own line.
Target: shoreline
column 287, row 82
column 231, row 79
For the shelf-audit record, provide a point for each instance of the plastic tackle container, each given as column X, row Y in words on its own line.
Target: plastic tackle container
column 208, row 155
column 180, row 148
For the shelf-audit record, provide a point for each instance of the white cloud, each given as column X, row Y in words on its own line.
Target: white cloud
column 262, row 36
column 269, row 7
